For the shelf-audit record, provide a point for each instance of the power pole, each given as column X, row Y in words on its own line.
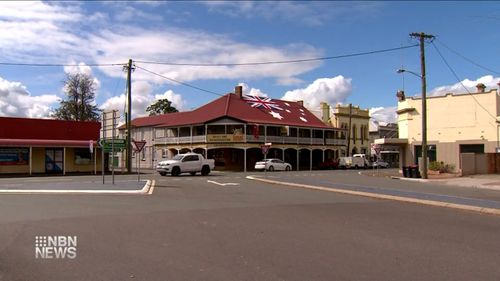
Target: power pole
column 128, row 117
column 422, row 37
column 349, row 131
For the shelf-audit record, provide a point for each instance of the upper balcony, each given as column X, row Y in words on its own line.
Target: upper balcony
column 240, row 134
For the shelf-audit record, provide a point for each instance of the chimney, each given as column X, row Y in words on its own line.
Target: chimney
column 325, row 112
column 480, row 87
column 301, row 102
column 238, row 91
column 401, row 95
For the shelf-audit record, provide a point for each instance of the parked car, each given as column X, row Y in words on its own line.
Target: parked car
column 380, row 164
column 273, row 164
column 186, row 163
column 328, row 165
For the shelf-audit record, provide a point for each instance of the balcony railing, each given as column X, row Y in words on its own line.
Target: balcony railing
column 249, row 138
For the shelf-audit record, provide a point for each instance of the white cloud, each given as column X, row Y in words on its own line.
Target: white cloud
column 251, row 91
column 57, row 32
column 184, row 46
column 489, row 81
column 310, row 13
column 382, row 116
column 329, row 90
column 15, row 100
column 73, row 68
column 177, row 101
column 142, row 97
column 81, row 67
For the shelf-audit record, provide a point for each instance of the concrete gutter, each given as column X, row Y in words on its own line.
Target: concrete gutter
column 147, row 189
column 482, row 210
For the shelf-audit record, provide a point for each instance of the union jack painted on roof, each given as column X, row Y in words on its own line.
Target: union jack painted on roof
column 265, row 102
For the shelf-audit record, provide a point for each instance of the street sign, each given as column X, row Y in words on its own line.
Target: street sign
column 117, row 143
column 139, row 145
column 265, row 148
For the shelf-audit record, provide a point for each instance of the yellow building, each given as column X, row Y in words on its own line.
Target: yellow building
column 456, row 123
column 358, row 118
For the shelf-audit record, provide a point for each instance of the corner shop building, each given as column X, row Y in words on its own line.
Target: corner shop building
column 46, row 146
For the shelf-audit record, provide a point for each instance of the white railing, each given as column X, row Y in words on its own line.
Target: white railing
column 318, row 141
column 184, row 139
column 336, row 141
column 200, row 138
column 304, row 140
column 274, row 139
column 251, row 138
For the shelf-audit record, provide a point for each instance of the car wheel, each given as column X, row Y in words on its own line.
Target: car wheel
column 205, row 170
column 288, row 168
column 163, row 174
column 192, row 173
column 176, row 171
column 271, row 168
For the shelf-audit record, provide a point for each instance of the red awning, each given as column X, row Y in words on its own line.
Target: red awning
column 46, row 143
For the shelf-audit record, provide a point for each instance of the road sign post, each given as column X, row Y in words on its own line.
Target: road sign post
column 138, row 147
column 265, row 149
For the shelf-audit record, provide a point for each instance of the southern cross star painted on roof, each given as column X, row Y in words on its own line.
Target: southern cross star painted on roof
column 257, row 102
column 276, row 115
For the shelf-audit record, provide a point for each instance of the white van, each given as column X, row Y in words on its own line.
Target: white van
column 357, row 161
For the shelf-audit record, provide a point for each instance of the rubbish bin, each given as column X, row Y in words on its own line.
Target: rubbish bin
column 405, row 171
column 414, row 172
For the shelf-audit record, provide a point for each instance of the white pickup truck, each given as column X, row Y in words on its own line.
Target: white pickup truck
column 186, row 163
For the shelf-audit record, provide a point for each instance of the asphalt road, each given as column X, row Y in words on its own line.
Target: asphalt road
column 193, row 229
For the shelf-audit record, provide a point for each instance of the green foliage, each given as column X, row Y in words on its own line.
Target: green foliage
column 441, row 167
column 80, row 90
column 162, row 106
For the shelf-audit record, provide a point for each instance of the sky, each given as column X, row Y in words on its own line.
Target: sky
column 165, row 39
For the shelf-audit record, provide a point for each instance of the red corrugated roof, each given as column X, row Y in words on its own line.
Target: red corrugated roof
column 48, row 129
column 230, row 105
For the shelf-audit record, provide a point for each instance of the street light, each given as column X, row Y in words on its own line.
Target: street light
column 424, row 118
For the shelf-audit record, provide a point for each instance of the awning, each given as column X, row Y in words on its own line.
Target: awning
column 391, row 141
column 47, row 143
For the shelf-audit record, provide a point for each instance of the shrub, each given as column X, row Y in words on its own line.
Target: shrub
column 441, row 167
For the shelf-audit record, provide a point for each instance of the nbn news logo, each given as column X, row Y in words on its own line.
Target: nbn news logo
column 55, row 247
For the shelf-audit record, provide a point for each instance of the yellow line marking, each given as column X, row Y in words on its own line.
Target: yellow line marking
column 152, row 187
column 484, row 210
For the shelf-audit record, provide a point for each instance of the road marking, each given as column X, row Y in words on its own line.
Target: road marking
column 49, row 180
column 144, row 190
column 484, row 210
column 152, row 187
column 223, row 184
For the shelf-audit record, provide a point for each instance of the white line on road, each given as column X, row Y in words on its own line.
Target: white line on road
column 223, row 184
column 144, row 190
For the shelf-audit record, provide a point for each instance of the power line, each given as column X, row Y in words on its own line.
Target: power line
column 280, row 62
column 467, row 59
column 179, row 82
column 459, row 81
column 57, row 65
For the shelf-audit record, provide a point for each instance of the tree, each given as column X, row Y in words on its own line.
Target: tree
column 80, row 90
column 162, row 106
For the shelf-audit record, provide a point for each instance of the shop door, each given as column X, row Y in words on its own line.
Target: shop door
column 54, row 160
